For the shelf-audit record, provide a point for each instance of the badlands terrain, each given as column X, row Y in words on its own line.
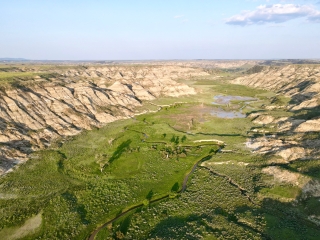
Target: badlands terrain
column 63, row 102
column 160, row 150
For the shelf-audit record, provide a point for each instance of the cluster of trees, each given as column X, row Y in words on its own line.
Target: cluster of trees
column 176, row 139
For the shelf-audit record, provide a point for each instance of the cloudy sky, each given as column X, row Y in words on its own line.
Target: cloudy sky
column 159, row 29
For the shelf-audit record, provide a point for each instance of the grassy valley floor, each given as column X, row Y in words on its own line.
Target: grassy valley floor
column 79, row 185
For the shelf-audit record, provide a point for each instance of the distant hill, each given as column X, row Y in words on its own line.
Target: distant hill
column 282, row 62
column 13, row 59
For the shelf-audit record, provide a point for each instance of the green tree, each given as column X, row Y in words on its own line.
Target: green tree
column 149, row 195
column 175, row 187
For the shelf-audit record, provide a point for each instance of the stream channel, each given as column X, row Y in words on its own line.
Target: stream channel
column 217, row 112
column 183, row 188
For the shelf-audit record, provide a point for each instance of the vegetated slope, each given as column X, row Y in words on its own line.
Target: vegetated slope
column 301, row 83
column 290, row 127
column 63, row 101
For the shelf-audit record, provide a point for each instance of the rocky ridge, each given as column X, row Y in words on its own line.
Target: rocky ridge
column 294, row 138
column 78, row 98
column 302, row 84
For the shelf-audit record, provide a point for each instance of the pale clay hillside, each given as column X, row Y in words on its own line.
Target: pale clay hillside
column 32, row 116
column 83, row 98
column 302, row 84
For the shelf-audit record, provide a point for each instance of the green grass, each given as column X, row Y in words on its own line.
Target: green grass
column 8, row 78
column 5, row 75
column 309, row 168
column 98, row 174
column 237, row 90
column 286, row 191
column 213, row 208
column 85, row 174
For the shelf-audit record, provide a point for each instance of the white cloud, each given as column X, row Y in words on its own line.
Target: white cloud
column 276, row 13
column 178, row 16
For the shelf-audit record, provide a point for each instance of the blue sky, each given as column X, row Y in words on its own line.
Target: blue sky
column 166, row 29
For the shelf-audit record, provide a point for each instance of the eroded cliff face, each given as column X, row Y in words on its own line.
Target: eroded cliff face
column 296, row 136
column 78, row 98
column 301, row 82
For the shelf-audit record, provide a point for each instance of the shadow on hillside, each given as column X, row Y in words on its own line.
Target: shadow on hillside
column 301, row 86
column 307, row 114
column 272, row 220
column 286, row 221
column 6, row 163
column 175, row 227
column 300, row 97
column 24, row 146
column 20, row 127
column 8, row 157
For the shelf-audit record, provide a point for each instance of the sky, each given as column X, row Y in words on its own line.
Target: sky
column 159, row 29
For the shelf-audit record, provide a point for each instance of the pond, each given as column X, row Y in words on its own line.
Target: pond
column 221, row 113
column 223, row 100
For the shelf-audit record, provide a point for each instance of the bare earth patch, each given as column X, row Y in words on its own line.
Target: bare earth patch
column 30, row 226
column 285, row 176
column 309, row 126
column 293, row 153
column 185, row 121
column 206, row 164
column 312, row 188
column 264, row 119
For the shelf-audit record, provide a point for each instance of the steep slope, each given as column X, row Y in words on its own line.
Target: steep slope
column 302, row 84
column 34, row 113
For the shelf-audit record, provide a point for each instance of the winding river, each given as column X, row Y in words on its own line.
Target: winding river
column 221, row 99
column 183, row 188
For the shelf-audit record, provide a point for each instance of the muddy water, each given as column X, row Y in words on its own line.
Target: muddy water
column 223, row 100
